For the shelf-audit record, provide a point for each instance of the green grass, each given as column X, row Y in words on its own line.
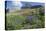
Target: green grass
column 14, row 22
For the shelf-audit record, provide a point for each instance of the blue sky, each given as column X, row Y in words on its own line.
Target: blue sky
column 12, row 4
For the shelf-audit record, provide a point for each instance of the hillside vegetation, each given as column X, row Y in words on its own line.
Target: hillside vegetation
column 25, row 19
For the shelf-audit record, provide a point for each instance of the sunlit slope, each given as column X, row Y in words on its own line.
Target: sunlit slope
column 24, row 12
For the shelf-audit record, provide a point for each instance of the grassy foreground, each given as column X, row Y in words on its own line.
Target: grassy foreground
column 14, row 22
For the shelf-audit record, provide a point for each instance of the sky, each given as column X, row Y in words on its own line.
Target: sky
column 13, row 4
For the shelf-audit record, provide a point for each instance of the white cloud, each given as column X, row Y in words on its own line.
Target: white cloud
column 17, row 3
